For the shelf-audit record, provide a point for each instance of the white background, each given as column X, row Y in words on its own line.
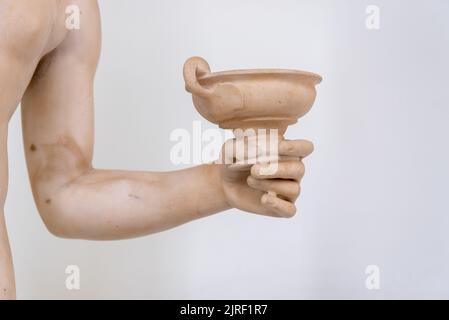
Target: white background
column 375, row 190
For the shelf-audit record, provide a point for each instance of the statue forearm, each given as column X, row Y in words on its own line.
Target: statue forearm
column 107, row 205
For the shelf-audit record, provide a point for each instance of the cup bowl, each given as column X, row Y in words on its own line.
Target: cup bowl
column 258, row 98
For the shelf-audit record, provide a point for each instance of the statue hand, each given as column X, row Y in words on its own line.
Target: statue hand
column 268, row 193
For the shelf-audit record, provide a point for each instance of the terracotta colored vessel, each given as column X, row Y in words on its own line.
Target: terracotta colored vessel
column 259, row 98
column 244, row 99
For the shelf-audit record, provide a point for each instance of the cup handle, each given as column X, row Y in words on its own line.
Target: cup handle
column 193, row 68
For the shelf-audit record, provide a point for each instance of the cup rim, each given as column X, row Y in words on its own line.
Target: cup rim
column 261, row 72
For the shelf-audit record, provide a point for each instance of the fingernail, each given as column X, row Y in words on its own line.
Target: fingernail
column 255, row 169
column 264, row 199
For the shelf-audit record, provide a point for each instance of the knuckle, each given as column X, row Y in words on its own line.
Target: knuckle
column 263, row 171
column 290, row 148
column 255, row 170
column 252, row 182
